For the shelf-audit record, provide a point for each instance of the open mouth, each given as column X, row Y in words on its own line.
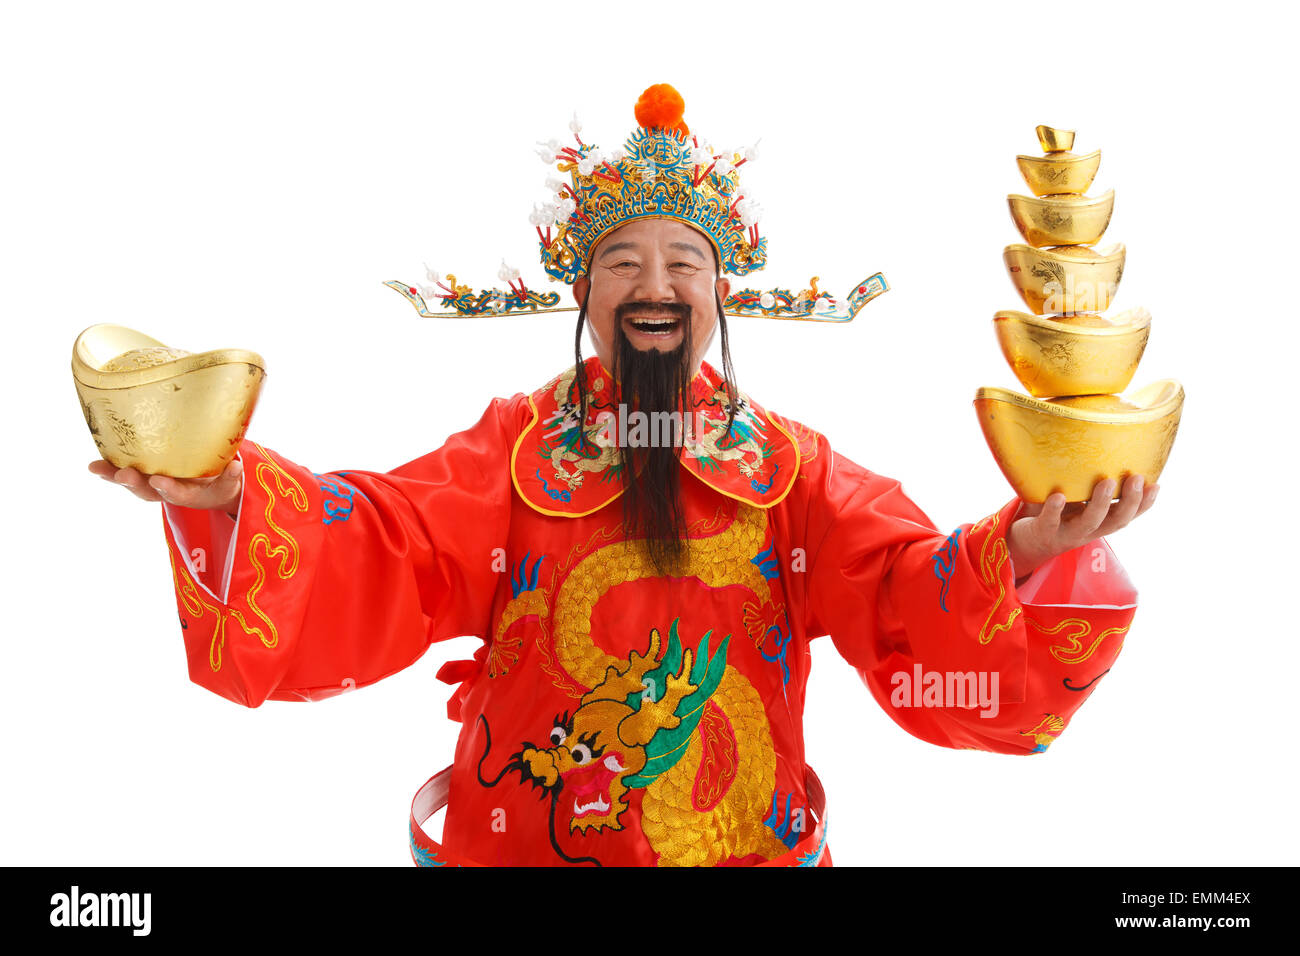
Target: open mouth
column 590, row 786
column 598, row 805
column 654, row 325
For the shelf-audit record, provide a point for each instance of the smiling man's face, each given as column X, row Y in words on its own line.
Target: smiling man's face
column 645, row 278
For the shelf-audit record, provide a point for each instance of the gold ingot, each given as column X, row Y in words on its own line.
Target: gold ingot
column 1065, row 279
column 161, row 410
column 1055, row 140
column 1073, row 355
column 1069, row 220
column 1058, row 173
column 1070, row 444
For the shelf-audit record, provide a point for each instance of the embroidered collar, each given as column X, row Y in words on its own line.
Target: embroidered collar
column 562, row 470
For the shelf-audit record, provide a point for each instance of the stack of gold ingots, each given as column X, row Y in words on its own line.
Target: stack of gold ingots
column 1075, row 431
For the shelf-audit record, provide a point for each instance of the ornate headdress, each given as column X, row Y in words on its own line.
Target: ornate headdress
column 662, row 171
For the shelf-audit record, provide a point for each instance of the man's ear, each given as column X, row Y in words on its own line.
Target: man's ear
column 581, row 286
column 724, row 289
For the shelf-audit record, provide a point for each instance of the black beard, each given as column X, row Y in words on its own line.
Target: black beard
column 655, row 381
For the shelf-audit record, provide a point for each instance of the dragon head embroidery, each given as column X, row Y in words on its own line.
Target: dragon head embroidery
column 628, row 730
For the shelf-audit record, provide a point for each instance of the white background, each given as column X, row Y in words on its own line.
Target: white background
column 246, row 175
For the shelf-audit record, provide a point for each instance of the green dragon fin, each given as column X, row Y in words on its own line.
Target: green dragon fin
column 668, row 745
column 656, row 681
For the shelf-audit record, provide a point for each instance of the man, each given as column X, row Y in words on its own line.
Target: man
column 645, row 662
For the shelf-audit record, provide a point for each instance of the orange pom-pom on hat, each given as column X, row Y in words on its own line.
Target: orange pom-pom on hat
column 661, row 107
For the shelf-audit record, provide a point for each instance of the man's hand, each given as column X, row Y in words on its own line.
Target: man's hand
column 219, row 493
column 1044, row 531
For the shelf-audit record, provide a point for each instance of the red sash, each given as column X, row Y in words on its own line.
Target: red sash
column 432, row 797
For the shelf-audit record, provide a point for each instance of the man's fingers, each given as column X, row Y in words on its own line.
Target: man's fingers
column 136, row 483
column 1124, row 512
column 190, row 493
column 167, row 489
column 1090, row 519
column 232, row 477
column 129, row 478
column 221, row 491
column 201, row 492
column 225, row 487
column 1148, row 498
column 1049, row 518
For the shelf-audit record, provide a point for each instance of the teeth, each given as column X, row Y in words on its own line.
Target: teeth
column 654, row 321
column 612, row 764
column 597, row 804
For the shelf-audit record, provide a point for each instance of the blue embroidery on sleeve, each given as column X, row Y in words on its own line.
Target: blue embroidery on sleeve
column 339, row 510
column 945, row 563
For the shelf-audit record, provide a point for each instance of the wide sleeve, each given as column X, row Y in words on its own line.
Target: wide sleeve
column 330, row 581
column 935, row 624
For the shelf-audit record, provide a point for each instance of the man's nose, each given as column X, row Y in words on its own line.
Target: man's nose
column 655, row 284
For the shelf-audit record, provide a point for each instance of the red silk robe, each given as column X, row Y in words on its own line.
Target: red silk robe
column 613, row 715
